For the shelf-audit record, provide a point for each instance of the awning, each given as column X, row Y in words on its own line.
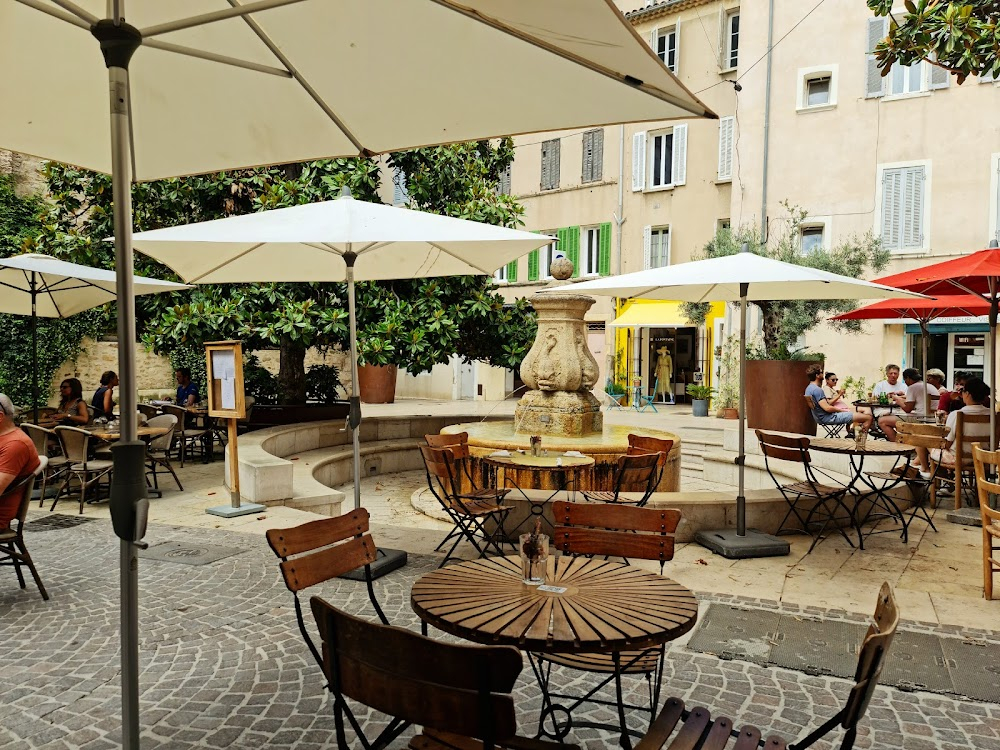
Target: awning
column 914, row 330
column 643, row 314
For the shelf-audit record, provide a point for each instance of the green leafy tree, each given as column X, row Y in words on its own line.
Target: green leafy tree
column 961, row 37
column 784, row 321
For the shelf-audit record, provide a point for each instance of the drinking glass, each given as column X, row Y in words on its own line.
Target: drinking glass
column 534, row 553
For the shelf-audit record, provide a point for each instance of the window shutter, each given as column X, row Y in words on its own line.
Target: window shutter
column 939, row 78
column 726, row 127
column 588, row 157
column 572, row 247
column 665, row 251
column 878, row 28
column 550, row 164
column 504, row 183
column 647, row 244
column 555, row 166
column 512, row 271
column 604, row 250
column 638, row 161
column 892, row 208
column 677, row 49
column 679, row 166
column 997, row 233
column 543, row 183
column 400, row 196
column 597, row 140
column 533, row 265
column 913, row 208
column 722, row 38
column 988, row 76
column 654, row 36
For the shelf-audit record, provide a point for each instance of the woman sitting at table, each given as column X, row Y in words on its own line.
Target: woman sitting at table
column 973, row 396
column 72, row 409
column 104, row 397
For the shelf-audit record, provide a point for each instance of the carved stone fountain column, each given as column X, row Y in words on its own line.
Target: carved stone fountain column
column 560, row 370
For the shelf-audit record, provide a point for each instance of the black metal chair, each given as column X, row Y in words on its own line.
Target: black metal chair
column 831, row 430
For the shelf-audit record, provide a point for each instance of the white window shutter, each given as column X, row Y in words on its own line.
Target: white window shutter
column 939, row 77
column 677, row 49
column 892, row 208
column 638, row 161
column 653, row 35
column 726, row 136
column 679, row 165
column 988, row 77
column 647, row 246
column 722, row 39
column 913, row 208
column 400, row 196
column 997, row 198
column 878, row 28
column 665, row 251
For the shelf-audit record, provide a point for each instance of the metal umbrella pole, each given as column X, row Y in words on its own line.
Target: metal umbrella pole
column 992, row 352
column 34, row 346
column 741, row 500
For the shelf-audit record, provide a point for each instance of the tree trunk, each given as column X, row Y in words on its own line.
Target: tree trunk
column 771, row 323
column 292, row 372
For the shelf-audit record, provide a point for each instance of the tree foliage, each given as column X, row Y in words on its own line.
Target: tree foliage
column 961, row 37
column 784, row 321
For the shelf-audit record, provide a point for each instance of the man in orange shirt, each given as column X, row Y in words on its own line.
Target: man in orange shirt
column 18, row 460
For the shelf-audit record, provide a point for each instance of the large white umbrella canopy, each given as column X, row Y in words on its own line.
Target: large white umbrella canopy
column 146, row 89
column 743, row 277
column 338, row 240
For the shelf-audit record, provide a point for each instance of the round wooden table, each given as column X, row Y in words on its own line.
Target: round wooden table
column 148, row 433
column 605, row 607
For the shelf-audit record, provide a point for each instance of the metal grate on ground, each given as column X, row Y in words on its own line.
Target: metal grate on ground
column 187, row 553
column 917, row 661
column 55, row 521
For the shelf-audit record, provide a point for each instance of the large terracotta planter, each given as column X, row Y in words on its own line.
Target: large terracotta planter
column 377, row 383
column 775, row 390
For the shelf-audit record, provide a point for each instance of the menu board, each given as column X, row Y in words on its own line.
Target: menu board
column 224, row 369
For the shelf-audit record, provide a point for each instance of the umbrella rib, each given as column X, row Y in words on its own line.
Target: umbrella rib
column 199, row 277
column 77, row 11
column 218, row 15
column 552, row 49
column 67, row 17
column 463, row 260
column 300, row 79
column 215, row 57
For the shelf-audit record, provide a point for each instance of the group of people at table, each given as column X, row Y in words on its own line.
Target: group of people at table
column 909, row 393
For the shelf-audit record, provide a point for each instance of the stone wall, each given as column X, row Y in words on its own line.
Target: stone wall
column 26, row 170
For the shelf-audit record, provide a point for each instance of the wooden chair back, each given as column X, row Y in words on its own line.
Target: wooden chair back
column 615, row 530
column 784, row 447
column 75, row 443
column 458, row 442
column 962, row 446
column 39, row 436
column 442, row 475
column 448, row 687
column 988, row 485
column 164, row 441
column 921, row 435
column 874, row 650
column 645, row 444
column 638, row 472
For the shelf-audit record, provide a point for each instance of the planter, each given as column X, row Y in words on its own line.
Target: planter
column 269, row 415
column 699, row 407
column 775, row 390
column 377, row 383
column 729, row 413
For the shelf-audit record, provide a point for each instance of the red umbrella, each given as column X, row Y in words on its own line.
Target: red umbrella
column 977, row 274
column 921, row 310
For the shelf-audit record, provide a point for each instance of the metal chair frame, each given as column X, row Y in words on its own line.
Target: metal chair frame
column 615, row 400
column 87, row 471
column 57, row 466
column 13, row 551
column 831, row 430
column 634, row 469
column 161, row 443
column 647, row 401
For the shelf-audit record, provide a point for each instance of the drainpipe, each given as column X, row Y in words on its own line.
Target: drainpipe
column 767, row 123
column 619, row 221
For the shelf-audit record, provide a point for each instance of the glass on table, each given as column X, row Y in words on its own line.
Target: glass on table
column 534, row 549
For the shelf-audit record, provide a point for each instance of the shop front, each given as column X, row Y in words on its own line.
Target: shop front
column 957, row 345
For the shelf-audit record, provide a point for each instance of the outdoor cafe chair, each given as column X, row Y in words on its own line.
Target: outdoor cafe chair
column 13, row 551
column 149, row 411
column 961, row 470
column 636, row 472
column 188, row 437
column 987, row 486
column 87, row 471
column 459, row 445
column 616, row 400
column 645, row 444
column 609, row 531
column 695, row 727
column 813, row 502
column 460, row 695
column 831, row 430
column 158, row 450
column 645, row 400
column 321, row 550
column 470, row 516
column 57, row 466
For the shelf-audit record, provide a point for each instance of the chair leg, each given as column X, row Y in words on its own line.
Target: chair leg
column 30, row 564
column 173, row 473
column 987, row 565
column 83, row 491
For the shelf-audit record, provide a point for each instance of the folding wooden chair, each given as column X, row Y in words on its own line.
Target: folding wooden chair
column 987, row 486
column 471, row 489
column 696, row 729
column 13, row 551
column 460, row 695
column 831, row 430
column 645, row 444
column 636, row 472
column 961, row 470
column 321, row 550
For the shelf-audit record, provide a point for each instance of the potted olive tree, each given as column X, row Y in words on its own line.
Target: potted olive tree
column 700, row 397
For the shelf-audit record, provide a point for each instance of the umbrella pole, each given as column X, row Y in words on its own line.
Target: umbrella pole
column 34, row 346
column 741, row 500
column 924, row 336
column 129, row 506
column 992, row 351
column 354, row 419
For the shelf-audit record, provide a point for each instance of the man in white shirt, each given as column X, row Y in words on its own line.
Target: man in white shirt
column 914, row 402
column 976, row 391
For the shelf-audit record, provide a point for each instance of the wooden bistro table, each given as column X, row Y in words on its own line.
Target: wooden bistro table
column 847, row 447
column 566, row 468
column 145, row 433
column 587, row 606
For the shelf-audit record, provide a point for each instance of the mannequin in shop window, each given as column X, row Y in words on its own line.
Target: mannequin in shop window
column 665, row 375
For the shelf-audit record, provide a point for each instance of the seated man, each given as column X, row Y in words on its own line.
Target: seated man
column 824, row 413
column 913, row 402
column 187, row 391
column 18, row 460
column 974, row 394
column 892, row 384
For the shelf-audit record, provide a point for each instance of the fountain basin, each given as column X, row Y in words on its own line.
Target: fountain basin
column 604, row 447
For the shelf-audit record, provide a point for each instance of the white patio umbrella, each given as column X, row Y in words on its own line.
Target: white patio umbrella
column 744, row 277
column 339, row 240
column 217, row 84
column 42, row 286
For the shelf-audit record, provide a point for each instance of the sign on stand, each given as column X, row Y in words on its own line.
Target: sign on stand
column 226, row 400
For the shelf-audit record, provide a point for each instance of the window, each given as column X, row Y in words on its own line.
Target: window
column 503, row 185
column 665, row 153
column 902, row 80
column 726, row 142
column 810, row 238
column 549, row 254
column 722, row 225
column 400, row 196
column 903, row 214
column 590, row 251
column 731, row 40
column 817, row 88
column 907, row 79
column 507, row 273
column 661, row 155
column 656, row 246
column 593, row 155
column 818, row 91
column 665, row 46
column 500, row 274
column 550, row 164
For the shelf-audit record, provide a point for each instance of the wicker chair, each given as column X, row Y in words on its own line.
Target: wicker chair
column 187, row 436
column 57, row 465
column 89, row 472
column 158, row 451
column 13, row 551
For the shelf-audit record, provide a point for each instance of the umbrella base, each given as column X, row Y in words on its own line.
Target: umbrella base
column 966, row 516
column 228, row 511
column 732, row 546
column 386, row 561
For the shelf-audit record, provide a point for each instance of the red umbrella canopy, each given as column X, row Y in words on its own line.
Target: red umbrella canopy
column 923, row 310
column 978, row 273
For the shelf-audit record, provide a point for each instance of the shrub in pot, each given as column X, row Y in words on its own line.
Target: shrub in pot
column 700, row 396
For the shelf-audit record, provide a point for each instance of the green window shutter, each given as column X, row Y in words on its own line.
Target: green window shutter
column 512, row 271
column 533, row 266
column 562, row 246
column 573, row 248
column 604, row 250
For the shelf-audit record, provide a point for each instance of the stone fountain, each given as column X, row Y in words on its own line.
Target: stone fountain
column 561, row 406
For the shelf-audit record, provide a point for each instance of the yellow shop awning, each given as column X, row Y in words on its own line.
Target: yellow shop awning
column 651, row 315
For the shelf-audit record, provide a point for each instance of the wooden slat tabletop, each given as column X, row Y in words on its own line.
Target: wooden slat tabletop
column 607, row 606
column 872, row 447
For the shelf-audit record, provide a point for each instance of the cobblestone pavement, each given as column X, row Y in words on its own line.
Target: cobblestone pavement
column 223, row 665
